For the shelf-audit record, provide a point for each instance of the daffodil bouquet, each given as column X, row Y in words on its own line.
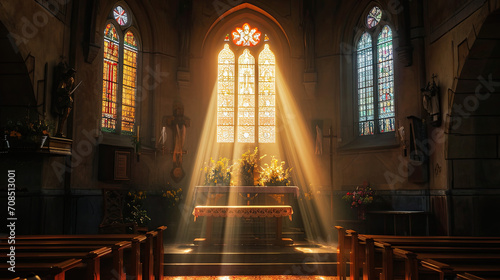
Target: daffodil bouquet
column 275, row 174
column 172, row 196
column 248, row 167
column 218, row 173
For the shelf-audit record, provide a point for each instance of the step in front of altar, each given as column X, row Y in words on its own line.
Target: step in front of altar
column 299, row 259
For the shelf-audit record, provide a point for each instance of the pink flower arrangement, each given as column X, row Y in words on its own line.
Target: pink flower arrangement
column 362, row 196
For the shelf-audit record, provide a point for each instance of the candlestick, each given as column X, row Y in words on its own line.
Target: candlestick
column 138, row 131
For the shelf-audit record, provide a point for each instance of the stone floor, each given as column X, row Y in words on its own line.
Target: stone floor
column 250, row 262
column 253, row 277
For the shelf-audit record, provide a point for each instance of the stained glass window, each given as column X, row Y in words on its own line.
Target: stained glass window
column 246, row 103
column 373, row 17
column 120, row 15
column 119, row 75
column 129, row 83
column 246, row 36
column 225, row 96
column 246, row 98
column 365, row 85
column 375, row 78
column 385, row 80
column 110, row 78
column 267, row 96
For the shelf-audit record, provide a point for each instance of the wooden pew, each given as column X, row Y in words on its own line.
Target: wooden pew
column 149, row 258
column 75, row 242
column 92, row 260
column 343, row 252
column 45, row 249
column 469, row 276
column 444, row 256
column 49, row 271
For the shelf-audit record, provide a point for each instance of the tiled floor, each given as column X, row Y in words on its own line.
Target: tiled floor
column 257, row 277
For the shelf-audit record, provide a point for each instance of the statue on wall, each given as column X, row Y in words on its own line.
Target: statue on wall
column 178, row 122
column 62, row 99
column 430, row 100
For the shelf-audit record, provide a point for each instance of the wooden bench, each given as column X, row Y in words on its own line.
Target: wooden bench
column 408, row 257
column 143, row 263
column 51, row 271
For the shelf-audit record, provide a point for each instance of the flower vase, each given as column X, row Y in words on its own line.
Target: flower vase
column 361, row 213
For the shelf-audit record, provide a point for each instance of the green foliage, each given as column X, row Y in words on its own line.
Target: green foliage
column 134, row 211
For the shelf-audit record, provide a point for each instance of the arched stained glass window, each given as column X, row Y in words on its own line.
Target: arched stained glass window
column 129, row 83
column 246, row 107
column 225, row 96
column 119, row 75
column 110, row 78
column 385, row 80
column 267, row 96
column 376, row 113
column 246, row 98
column 365, row 85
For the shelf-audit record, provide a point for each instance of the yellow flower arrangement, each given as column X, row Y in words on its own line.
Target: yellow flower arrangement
column 247, row 167
column 275, row 174
column 172, row 196
column 218, row 173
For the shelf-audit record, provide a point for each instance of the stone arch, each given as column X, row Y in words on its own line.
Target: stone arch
column 473, row 128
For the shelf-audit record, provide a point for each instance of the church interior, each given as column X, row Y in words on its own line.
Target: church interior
column 287, row 138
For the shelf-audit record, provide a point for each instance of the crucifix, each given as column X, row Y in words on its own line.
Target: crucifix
column 178, row 122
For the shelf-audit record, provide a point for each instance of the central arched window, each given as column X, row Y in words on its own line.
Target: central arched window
column 246, row 89
column 375, row 77
column 119, row 74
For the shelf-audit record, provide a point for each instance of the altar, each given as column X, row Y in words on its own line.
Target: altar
column 247, row 206
column 246, row 195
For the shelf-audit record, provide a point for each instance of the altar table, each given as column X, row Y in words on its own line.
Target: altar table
column 244, row 211
column 270, row 195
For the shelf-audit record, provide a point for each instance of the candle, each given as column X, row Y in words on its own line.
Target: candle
column 163, row 135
